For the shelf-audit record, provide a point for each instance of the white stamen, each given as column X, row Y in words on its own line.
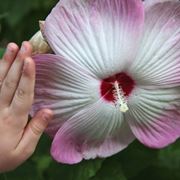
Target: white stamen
column 120, row 98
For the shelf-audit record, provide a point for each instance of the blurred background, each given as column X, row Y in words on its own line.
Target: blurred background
column 18, row 22
column 19, row 18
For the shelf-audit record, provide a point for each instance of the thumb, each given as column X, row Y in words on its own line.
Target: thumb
column 33, row 132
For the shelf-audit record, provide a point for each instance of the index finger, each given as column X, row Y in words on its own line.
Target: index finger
column 24, row 94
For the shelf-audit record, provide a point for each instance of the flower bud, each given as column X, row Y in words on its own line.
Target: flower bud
column 38, row 42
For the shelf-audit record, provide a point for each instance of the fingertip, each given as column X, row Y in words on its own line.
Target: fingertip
column 46, row 115
column 34, row 131
column 13, row 47
column 27, row 46
column 40, row 121
column 29, row 67
column 11, row 51
column 25, row 50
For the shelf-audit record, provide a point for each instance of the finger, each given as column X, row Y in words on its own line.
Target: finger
column 7, row 60
column 23, row 98
column 33, row 132
column 11, row 81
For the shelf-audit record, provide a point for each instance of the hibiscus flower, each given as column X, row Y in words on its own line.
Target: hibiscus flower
column 114, row 76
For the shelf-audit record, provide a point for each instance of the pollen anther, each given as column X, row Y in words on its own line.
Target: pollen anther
column 120, row 99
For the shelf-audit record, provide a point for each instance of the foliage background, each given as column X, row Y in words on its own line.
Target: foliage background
column 18, row 22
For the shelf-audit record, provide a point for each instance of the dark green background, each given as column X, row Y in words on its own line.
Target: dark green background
column 18, row 22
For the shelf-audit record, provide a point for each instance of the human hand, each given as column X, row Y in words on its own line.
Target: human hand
column 18, row 137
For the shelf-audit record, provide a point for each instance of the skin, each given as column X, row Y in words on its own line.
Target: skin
column 18, row 136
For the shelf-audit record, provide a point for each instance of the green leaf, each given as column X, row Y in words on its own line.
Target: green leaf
column 110, row 170
column 15, row 13
column 169, row 157
column 82, row 171
column 3, row 15
column 164, row 167
column 41, row 157
column 42, row 164
column 136, row 158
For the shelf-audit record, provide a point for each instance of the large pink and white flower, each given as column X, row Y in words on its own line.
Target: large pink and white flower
column 114, row 77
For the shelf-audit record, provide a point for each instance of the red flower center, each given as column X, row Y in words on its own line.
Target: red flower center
column 125, row 82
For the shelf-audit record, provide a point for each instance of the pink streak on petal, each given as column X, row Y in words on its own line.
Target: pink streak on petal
column 158, row 59
column 160, row 132
column 78, row 30
column 62, row 86
column 154, row 115
column 65, row 149
column 71, row 149
column 111, row 145
column 150, row 3
column 97, row 131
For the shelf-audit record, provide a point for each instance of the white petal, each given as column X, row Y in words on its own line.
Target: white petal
column 97, row 130
column 154, row 116
column 150, row 3
column 158, row 60
column 112, row 144
column 64, row 87
column 98, row 34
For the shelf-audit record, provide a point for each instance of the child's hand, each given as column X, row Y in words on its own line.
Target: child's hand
column 18, row 137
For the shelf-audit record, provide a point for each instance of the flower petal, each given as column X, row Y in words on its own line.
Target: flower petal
column 150, row 3
column 154, row 116
column 96, row 131
column 158, row 60
column 111, row 145
column 96, row 33
column 64, row 87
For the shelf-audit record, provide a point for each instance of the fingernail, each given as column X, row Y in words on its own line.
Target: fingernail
column 23, row 48
column 9, row 49
column 47, row 116
column 26, row 64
